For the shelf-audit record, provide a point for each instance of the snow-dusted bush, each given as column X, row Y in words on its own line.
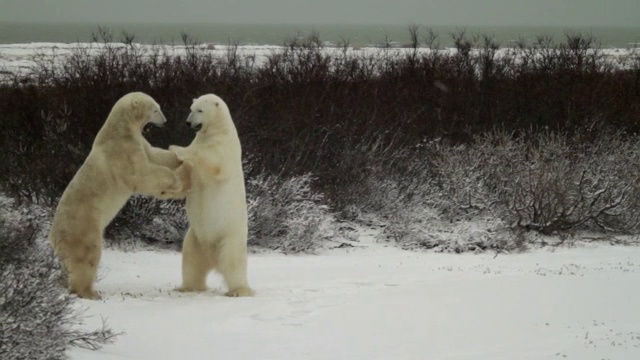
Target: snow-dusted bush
column 285, row 214
column 42, row 178
column 489, row 193
column 38, row 319
column 150, row 220
column 421, row 228
column 551, row 184
column 464, row 174
column 412, row 210
column 376, row 179
column 404, row 192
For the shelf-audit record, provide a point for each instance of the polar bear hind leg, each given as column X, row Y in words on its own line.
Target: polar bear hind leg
column 82, row 276
column 81, row 259
column 232, row 264
column 196, row 264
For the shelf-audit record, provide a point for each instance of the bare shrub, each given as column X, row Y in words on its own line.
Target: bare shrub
column 415, row 227
column 285, row 214
column 150, row 220
column 416, row 203
column 405, row 193
column 38, row 319
column 486, row 195
column 464, row 192
column 358, row 184
column 42, row 180
column 551, row 184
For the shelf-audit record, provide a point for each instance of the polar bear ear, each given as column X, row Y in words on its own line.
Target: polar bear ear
column 194, row 100
column 137, row 108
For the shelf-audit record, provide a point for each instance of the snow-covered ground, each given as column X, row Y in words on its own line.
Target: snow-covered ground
column 378, row 302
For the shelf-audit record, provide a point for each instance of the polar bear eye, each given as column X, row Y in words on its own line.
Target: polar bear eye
column 199, row 110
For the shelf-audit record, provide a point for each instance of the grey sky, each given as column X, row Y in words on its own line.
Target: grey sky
column 428, row 12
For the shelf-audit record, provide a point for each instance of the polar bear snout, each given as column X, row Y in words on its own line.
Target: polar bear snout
column 192, row 123
column 158, row 119
column 194, row 126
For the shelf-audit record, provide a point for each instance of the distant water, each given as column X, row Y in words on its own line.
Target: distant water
column 248, row 34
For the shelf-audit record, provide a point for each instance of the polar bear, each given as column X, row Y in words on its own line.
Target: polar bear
column 215, row 202
column 121, row 162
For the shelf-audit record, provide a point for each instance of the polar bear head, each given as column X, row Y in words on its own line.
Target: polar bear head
column 209, row 112
column 138, row 109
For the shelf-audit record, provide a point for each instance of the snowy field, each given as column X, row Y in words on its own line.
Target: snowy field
column 18, row 58
column 378, row 302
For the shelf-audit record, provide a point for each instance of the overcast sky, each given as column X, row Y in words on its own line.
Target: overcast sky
column 427, row 12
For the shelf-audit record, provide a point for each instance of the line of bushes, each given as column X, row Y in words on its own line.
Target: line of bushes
column 503, row 192
column 338, row 115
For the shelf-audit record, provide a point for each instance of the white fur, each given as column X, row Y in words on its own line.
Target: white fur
column 216, row 202
column 121, row 163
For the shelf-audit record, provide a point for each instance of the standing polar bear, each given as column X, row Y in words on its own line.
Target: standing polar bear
column 216, row 202
column 121, row 163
